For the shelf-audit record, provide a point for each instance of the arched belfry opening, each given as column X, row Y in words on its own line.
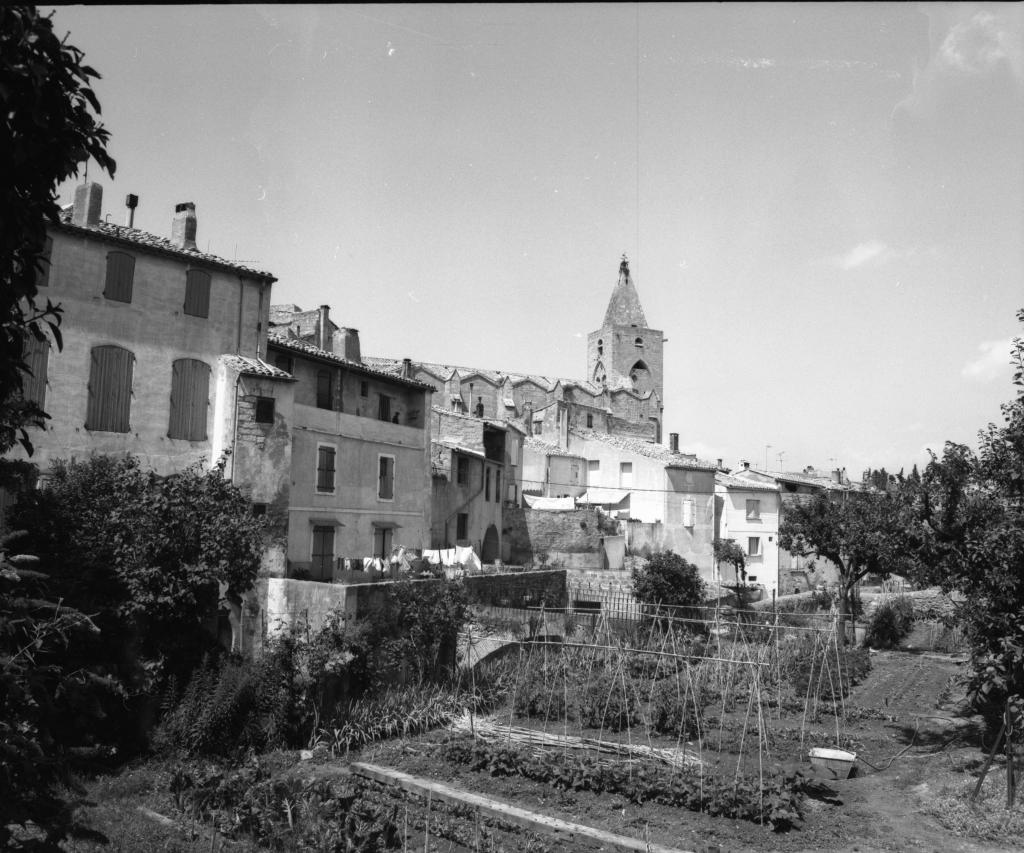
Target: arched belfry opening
column 640, row 377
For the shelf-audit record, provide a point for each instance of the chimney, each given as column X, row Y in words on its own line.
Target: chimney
column 837, row 476
column 88, row 204
column 407, row 368
column 673, row 442
column 349, row 344
column 183, row 227
column 323, row 337
column 131, row 202
column 719, row 463
column 746, row 465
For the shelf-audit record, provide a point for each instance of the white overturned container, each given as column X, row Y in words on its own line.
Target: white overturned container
column 837, row 762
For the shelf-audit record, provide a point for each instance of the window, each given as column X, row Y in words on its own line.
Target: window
column 384, row 408
column 364, row 389
column 110, row 389
column 190, row 398
column 382, row 541
column 325, row 468
column 33, row 383
column 197, row 293
column 462, row 470
column 538, row 427
column 593, row 466
column 43, row 273
column 600, row 347
column 264, row 410
column 120, row 273
column 590, row 421
column 324, row 390
column 688, row 512
column 638, row 342
column 259, row 510
column 754, row 546
column 323, row 551
column 386, row 478
column 461, row 526
column 753, row 510
column 487, row 484
column 625, row 475
column 284, row 362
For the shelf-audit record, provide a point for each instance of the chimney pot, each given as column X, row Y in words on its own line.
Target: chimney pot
column 407, row 368
column 88, row 203
column 719, row 461
column 183, row 226
column 673, row 441
column 131, row 201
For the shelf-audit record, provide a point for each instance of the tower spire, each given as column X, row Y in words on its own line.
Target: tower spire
column 624, row 307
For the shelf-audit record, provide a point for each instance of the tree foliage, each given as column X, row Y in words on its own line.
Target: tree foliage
column 668, row 580
column 728, row 552
column 50, row 126
column 860, row 532
column 148, row 552
column 970, row 538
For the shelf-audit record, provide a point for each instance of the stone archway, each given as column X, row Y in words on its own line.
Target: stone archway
column 490, row 551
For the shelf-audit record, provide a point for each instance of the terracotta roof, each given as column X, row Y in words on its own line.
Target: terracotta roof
column 160, row 245
column 280, row 340
column 624, row 307
column 460, row 448
column 498, row 422
column 533, row 443
column 801, row 479
column 730, row 482
column 646, row 448
column 255, row 367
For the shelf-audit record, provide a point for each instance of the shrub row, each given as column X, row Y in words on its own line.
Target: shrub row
column 774, row 801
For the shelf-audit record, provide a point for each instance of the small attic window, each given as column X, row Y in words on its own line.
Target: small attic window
column 639, row 342
column 600, row 347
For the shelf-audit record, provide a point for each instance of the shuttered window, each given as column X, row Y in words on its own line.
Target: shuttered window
column 689, row 515
column 33, row 383
column 324, row 395
column 43, row 273
column 120, row 275
column 384, row 408
column 110, row 389
column 190, row 397
column 197, row 293
column 325, row 469
column 386, row 478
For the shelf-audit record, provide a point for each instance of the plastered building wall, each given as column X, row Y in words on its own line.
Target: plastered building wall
column 734, row 524
column 155, row 328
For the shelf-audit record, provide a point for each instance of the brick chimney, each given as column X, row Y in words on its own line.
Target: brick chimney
column 88, row 204
column 323, row 323
column 673, row 442
column 346, row 344
column 183, row 227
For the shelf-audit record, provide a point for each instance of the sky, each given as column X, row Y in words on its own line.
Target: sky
column 822, row 204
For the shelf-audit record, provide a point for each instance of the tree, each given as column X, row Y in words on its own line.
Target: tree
column 971, row 538
column 727, row 551
column 861, row 533
column 666, row 580
column 49, row 115
column 49, row 127
column 148, row 553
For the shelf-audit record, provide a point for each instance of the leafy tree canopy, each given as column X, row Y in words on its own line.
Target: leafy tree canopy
column 728, row 552
column 48, row 127
column 668, row 580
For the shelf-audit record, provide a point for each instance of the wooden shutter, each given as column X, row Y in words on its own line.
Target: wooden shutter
column 120, row 274
column 197, row 293
column 37, row 355
column 110, row 389
column 688, row 512
column 386, row 480
column 190, row 398
column 43, row 273
column 323, row 390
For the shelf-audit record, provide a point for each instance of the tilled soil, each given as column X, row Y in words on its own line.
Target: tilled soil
column 909, row 744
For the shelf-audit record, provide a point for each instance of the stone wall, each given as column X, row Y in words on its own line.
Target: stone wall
column 519, row 589
column 569, row 539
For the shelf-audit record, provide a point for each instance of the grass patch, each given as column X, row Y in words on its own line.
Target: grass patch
column 987, row 819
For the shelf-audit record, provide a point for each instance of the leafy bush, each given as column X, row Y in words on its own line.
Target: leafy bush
column 890, row 623
column 547, row 689
column 774, row 801
column 667, row 582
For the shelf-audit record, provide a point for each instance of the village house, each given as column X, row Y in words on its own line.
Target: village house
column 747, row 512
column 798, row 573
column 360, row 449
column 476, row 474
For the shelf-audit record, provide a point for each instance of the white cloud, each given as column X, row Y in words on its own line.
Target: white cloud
column 873, row 251
column 993, row 363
